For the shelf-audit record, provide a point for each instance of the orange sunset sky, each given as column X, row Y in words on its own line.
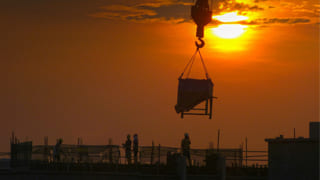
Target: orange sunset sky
column 101, row 69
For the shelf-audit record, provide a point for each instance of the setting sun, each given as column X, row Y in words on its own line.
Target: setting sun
column 230, row 17
column 229, row 31
column 230, row 37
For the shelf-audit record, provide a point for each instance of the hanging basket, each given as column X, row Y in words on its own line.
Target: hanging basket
column 192, row 92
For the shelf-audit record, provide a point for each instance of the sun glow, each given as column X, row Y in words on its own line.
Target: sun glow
column 229, row 31
column 229, row 37
column 230, row 17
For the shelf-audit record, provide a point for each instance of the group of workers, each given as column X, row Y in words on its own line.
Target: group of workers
column 185, row 147
column 127, row 147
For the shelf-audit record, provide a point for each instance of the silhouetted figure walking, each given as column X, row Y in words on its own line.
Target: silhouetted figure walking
column 127, row 147
column 135, row 148
column 185, row 146
column 57, row 150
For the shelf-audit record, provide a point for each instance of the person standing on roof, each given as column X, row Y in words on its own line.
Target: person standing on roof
column 57, row 150
column 135, row 148
column 127, row 147
column 185, row 147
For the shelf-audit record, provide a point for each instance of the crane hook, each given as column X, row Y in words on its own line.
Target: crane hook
column 201, row 43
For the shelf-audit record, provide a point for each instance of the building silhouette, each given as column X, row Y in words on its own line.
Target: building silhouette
column 295, row 158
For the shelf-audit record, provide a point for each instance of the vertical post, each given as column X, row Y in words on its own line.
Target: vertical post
column 46, row 149
column 241, row 155
column 246, row 151
column 159, row 155
column 218, row 142
column 140, row 155
column 181, row 167
column 210, row 115
column 110, row 151
column 235, row 159
column 294, row 133
column 152, row 151
column 79, row 150
column 221, row 167
column 13, row 150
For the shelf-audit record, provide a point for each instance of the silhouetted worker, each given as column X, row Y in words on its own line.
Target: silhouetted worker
column 57, row 150
column 135, row 148
column 185, row 146
column 127, row 147
column 110, row 151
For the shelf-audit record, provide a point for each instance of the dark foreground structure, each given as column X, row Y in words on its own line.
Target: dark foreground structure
column 295, row 158
column 33, row 162
column 288, row 158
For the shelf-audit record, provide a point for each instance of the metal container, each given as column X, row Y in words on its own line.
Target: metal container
column 192, row 92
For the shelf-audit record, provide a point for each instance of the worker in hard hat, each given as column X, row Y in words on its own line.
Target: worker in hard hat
column 127, row 147
column 185, row 147
column 57, row 150
column 135, row 148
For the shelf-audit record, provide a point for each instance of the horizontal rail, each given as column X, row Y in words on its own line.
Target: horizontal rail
column 258, row 156
column 248, row 159
column 256, row 151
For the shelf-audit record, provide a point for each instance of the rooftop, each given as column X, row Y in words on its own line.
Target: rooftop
column 281, row 139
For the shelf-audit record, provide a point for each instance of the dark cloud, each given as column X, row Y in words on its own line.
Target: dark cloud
column 265, row 21
column 286, row 20
column 219, row 6
column 244, row 7
column 162, row 10
column 176, row 11
column 123, row 12
column 255, row 8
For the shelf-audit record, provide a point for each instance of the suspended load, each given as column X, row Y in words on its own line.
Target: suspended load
column 192, row 92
